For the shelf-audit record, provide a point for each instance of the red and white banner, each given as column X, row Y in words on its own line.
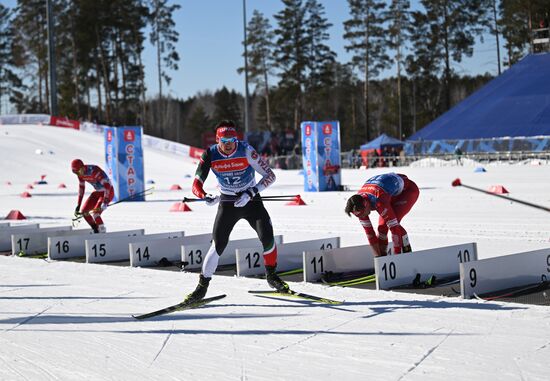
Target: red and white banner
column 64, row 122
column 195, row 152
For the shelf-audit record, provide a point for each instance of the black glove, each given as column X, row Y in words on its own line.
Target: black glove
column 77, row 211
column 211, row 199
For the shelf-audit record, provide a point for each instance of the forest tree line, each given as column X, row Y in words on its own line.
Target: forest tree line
column 293, row 73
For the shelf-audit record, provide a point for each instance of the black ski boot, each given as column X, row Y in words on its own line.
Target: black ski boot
column 200, row 291
column 274, row 281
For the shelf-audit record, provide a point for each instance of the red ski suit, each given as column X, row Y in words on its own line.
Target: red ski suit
column 392, row 196
column 100, row 197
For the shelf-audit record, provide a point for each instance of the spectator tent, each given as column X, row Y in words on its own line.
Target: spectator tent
column 377, row 146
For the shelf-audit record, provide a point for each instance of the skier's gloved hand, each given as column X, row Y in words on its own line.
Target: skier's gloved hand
column 77, row 211
column 211, row 200
column 407, row 249
column 245, row 197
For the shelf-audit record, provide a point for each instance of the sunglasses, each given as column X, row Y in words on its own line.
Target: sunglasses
column 228, row 140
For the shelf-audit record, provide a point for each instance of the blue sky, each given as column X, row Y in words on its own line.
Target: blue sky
column 210, row 45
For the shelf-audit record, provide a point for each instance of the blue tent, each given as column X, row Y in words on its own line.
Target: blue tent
column 514, row 104
column 381, row 142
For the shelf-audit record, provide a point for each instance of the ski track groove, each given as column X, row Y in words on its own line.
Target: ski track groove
column 34, row 364
column 424, row 357
column 12, row 369
column 168, row 336
column 312, row 336
column 11, row 289
column 100, row 299
column 519, row 368
column 24, row 321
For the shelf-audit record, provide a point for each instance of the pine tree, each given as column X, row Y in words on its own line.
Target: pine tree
column 29, row 26
column 292, row 55
column 321, row 60
column 453, row 27
column 227, row 105
column 164, row 36
column 422, row 65
column 260, row 57
column 398, row 17
column 517, row 18
column 198, row 123
column 365, row 35
column 10, row 83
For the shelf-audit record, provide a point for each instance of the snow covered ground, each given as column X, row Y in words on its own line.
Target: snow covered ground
column 72, row 321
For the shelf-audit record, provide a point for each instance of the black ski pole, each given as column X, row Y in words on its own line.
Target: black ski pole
column 457, row 183
column 186, row 199
column 81, row 215
column 281, row 196
column 132, row 196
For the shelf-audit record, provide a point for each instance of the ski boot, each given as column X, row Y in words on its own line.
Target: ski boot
column 274, row 281
column 200, row 291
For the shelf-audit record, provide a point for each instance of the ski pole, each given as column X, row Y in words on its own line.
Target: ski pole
column 185, row 199
column 457, row 183
column 145, row 192
column 281, row 196
column 142, row 193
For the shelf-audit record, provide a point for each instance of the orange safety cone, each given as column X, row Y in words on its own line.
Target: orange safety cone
column 498, row 189
column 26, row 195
column 8, row 183
column 175, row 187
column 15, row 215
column 297, row 201
column 62, row 185
column 29, row 186
column 180, row 207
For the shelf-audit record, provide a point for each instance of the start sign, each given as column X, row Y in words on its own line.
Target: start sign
column 124, row 157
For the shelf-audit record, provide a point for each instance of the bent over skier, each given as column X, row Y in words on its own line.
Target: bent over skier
column 99, row 199
column 235, row 163
column 392, row 196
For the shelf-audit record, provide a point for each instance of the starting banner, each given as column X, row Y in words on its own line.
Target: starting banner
column 321, row 156
column 124, row 161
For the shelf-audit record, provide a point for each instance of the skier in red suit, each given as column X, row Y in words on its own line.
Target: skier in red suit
column 392, row 196
column 100, row 197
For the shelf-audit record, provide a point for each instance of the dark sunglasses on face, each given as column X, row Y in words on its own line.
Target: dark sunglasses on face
column 228, row 140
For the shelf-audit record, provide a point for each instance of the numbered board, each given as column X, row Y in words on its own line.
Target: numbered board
column 501, row 273
column 35, row 241
column 289, row 255
column 5, row 234
column 73, row 243
column 339, row 260
column 149, row 253
column 116, row 249
column 192, row 256
column 443, row 262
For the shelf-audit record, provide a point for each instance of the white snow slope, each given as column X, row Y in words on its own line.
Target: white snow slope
column 72, row 321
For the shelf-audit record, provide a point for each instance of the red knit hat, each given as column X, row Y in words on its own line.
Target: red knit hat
column 225, row 132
